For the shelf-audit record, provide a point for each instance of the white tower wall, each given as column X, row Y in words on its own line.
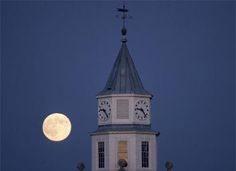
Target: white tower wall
column 134, row 140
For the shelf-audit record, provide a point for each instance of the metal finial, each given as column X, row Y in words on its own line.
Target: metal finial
column 123, row 16
column 80, row 166
column 122, row 163
column 169, row 165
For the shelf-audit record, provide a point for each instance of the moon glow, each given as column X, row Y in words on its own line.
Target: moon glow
column 56, row 127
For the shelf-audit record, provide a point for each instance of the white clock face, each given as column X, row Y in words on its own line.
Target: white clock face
column 104, row 110
column 142, row 109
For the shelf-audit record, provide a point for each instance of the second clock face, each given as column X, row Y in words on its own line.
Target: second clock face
column 142, row 109
column 104, row 110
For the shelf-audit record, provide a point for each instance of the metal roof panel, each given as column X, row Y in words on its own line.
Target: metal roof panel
column 124, row 77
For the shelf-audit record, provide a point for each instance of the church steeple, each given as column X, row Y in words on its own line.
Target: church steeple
column 124, row 78
column 124, row 137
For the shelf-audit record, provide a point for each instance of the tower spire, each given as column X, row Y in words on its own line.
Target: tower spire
column 124, row 78
column 123, row 16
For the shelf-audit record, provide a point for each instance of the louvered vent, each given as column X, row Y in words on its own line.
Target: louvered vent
column 122, row 109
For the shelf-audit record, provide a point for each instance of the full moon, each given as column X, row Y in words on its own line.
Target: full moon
column 56, row 127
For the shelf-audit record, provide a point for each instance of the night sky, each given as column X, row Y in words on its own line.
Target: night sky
column 57, row 55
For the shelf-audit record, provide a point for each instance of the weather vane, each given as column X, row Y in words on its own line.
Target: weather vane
column 123, row 16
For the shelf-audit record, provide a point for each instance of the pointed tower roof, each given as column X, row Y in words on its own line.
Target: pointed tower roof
column 124, row 78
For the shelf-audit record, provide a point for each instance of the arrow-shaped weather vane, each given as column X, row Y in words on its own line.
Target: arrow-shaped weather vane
column 123, row 16
column 124, row 12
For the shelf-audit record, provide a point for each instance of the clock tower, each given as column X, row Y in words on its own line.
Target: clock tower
column 124, row 114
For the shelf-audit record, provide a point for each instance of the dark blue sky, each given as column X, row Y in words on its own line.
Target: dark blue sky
column 57, row 55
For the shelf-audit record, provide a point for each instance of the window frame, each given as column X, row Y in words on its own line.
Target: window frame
column 101, row 154
column 145, row 154
column 122, row 150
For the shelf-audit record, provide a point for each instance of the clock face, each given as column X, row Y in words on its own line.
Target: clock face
column 142, row 109
column 104, row 110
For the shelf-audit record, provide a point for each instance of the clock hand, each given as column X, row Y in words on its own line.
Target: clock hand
column 141, row 109
column 145, row 115
column 104, row 112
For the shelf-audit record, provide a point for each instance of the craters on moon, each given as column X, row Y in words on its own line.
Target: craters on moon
column 56, row 127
